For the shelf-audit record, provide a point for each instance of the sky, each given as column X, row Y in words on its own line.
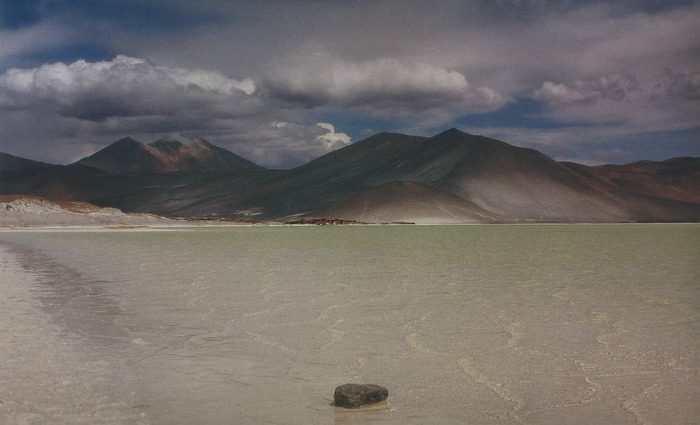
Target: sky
column 282, row 82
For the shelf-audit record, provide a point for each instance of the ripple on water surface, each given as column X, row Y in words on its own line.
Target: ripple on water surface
column 463, row 324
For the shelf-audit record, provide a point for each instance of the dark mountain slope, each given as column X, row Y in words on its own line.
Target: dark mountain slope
column 524, row 185
column 676, row 178
column 652, row 190
column 513, row 183
column 160, row 193
column 383, row 158
column 11, row 163
column 57, row 182
column 180, row 194
column 123, row 156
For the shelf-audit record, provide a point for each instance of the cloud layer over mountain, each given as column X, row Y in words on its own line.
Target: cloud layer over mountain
column 74, row 78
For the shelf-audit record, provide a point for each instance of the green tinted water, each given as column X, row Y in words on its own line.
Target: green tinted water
column 463, row 324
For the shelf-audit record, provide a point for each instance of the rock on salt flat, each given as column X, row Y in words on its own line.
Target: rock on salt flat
column 356, row 395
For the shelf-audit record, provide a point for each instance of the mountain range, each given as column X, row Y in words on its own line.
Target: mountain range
column 452, row 177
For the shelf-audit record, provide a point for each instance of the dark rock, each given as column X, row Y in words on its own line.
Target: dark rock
column 324, row 221
column 356, row 395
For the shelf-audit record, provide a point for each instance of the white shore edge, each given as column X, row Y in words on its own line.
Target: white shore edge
column 183, row 226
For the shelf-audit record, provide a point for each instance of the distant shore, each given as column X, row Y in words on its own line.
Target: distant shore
column 176, row 227
column 22, row 212
column 19, row 212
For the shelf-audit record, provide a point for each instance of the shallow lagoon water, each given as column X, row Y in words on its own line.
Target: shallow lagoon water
column 525, row 324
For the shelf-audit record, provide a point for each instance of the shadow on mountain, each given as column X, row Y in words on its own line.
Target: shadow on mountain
column 452, row 177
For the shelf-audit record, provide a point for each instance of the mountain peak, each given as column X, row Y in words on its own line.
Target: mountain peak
column 126, row 141
column 167, row 145
column 165, row 156
column 452, row 132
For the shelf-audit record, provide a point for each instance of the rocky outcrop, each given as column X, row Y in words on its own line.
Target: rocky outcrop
column 323, row 222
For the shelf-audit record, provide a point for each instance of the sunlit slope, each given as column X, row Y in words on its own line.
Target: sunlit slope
column 408, row 202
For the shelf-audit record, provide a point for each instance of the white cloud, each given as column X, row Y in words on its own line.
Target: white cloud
column 285, row 144
column 332, row 140
column 666, row 101
column 615, row 87
column 383, row 86
column 559, row 93
column 210, row 81
column 123, row 87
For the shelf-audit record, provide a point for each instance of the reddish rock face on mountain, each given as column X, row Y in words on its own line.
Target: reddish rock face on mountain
column 165, row 156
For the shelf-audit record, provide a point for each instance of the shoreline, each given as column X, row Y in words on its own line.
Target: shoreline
column 18, row 212
column 173, row 227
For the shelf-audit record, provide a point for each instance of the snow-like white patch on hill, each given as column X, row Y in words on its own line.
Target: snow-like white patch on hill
column 33, row 212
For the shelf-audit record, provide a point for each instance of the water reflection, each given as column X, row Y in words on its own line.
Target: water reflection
column 374, row 413
column 62, row 353
column 78, row 305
